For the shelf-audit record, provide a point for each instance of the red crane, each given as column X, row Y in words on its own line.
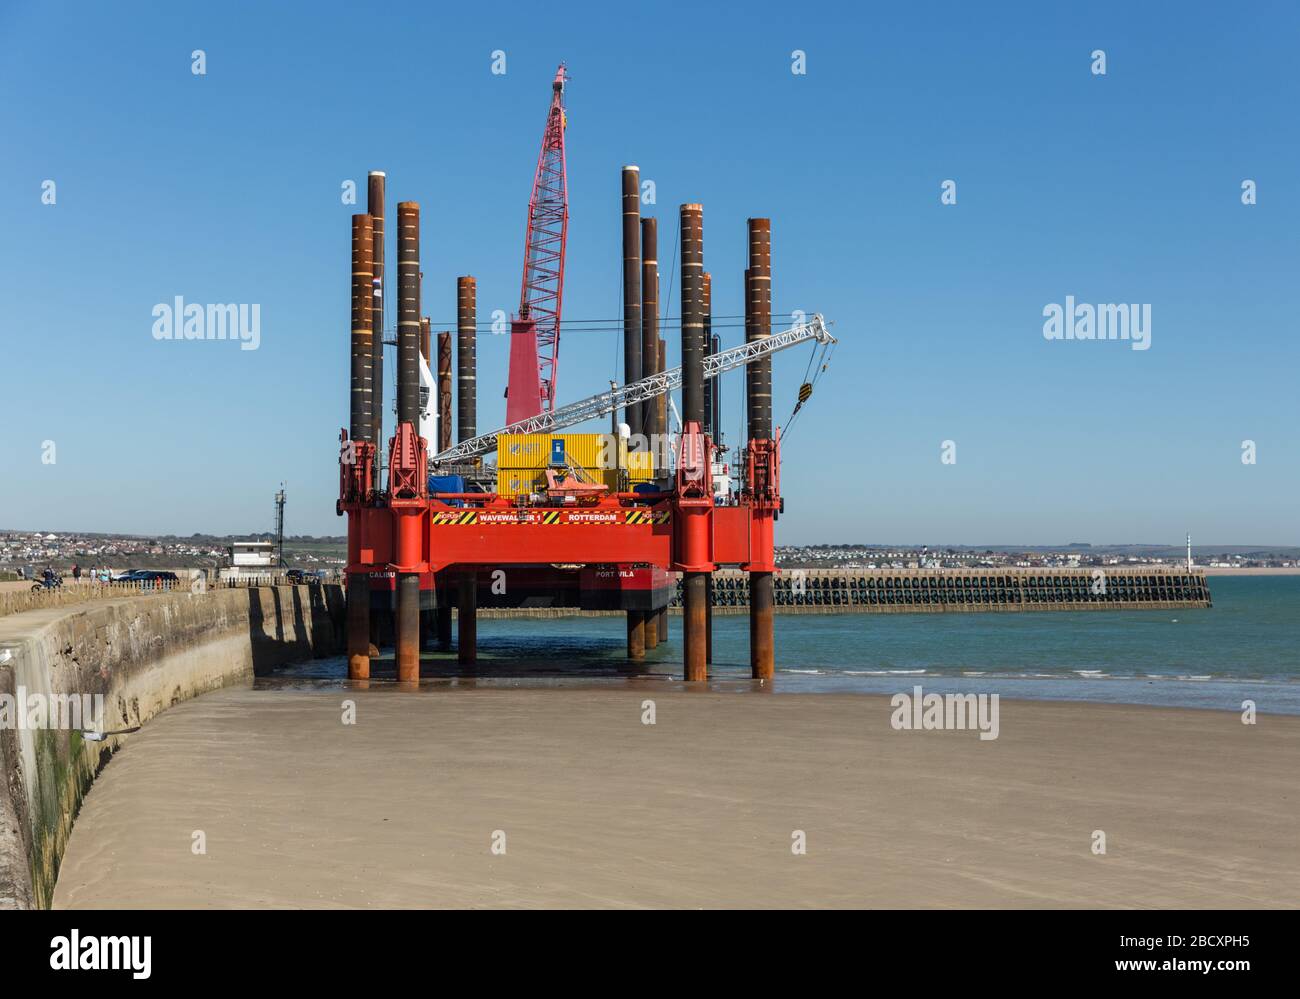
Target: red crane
column 535, row 331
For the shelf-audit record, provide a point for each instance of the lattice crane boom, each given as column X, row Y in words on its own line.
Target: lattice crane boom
column 616, row 398
column 534, row 363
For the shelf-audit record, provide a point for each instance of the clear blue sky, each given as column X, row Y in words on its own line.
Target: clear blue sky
column 1117, row 188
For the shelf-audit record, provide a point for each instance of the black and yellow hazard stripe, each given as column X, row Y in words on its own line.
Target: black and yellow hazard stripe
column 647, row 517
column 550, row 517
column 458, row 517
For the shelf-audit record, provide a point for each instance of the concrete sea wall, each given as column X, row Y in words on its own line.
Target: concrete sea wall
column 18, row 598
column 141, row 655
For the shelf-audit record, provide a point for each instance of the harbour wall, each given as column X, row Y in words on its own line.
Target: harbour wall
column 141, row 654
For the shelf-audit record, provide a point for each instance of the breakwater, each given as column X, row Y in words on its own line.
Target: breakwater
column 913, row 591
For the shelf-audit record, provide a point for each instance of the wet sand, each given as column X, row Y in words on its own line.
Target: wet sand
column 600, row 810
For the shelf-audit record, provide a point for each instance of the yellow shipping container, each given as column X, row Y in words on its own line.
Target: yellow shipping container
column 640, row 466
column 512, row 482
column 589, row 451
column 522, row 460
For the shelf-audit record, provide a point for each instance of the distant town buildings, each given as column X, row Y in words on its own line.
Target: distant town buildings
column 32, row 549
column 1072, row 557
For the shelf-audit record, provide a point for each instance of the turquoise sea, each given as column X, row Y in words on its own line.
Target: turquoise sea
column 1247, row 646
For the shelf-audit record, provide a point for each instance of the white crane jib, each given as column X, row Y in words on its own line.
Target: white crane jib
column 617, row 398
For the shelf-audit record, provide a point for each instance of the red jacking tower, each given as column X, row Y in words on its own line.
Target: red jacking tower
column 535, row 331
column 598, row 537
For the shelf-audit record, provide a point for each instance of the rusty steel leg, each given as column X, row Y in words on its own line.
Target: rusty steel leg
column 466, row 357
column 375, row 207
column 694, row 622
column 651, row 629
column 363, row 354
column 762, row 648
column 693, row 518
column 444, row 391
column 650, row 324
column 358, row 628
column 632, row 364
column 407, row 536
column 636, row 634
column 467, row 620
column 408, row 628
column 661, row 423
column 663, row 625
column 758, row 390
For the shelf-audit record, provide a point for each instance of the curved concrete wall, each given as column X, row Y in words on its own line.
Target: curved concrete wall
column 142, row 654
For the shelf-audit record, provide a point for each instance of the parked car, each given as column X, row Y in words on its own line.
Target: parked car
column 297, row 575
column 146, row 576
column 156, row 579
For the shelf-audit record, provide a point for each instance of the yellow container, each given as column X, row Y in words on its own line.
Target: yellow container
column 512, row 482
column 593, row 452
column 640, row 466
column 522, row 460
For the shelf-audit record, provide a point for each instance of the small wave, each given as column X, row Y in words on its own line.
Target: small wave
column 1090, row 672
column 905, row 672
column 792, row 670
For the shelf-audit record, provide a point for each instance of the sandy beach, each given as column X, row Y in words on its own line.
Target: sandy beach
column 701, row 809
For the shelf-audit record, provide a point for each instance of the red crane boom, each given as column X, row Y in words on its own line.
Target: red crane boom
column 535, row 331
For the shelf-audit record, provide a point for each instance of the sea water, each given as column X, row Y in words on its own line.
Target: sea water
column 1245, row 647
